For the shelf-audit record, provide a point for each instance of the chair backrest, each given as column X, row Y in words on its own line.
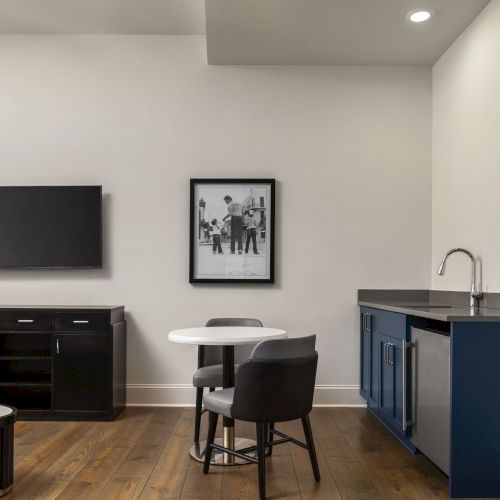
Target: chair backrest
column 277, row 383
column 212, row 354
column 234, row 322
column 289, row 348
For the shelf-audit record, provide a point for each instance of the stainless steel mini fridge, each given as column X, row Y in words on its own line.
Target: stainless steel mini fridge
column 431, row 395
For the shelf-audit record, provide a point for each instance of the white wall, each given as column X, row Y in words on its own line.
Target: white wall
column 349, row 146
column 466, row 153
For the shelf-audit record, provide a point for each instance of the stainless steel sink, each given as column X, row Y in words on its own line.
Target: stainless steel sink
column 428, row 306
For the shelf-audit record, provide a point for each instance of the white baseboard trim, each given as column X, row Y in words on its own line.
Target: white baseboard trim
column 183, row 395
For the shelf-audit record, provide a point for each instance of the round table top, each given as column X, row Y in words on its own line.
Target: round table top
column 5, row 410
column 225, row 335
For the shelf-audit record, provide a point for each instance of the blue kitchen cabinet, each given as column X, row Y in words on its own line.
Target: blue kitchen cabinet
column 473, row 368
column 368, row 378
column 391, row 380
column 384, row 368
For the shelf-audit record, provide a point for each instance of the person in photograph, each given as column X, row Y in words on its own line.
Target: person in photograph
column 234, row 211
column 251, row 223
column 216, row 245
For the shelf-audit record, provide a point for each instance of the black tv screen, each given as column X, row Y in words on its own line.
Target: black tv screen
column 50, row 227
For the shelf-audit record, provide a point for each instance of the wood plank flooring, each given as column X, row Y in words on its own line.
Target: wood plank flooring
column 144, row 454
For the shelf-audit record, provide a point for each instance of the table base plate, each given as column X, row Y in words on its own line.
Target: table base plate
column 5, row 490
column 197, row 451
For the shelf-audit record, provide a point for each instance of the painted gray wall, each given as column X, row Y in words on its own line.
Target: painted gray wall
column 466, row 154
column 349, row 146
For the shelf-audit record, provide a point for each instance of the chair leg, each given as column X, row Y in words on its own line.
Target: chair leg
column 306, row 424
column 212, row 426
column 197, row 414
column 261, row 456
column 270, row 438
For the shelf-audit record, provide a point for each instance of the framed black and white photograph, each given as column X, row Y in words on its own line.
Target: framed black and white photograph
column 232, row 231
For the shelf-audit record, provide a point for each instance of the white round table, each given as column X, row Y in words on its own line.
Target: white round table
column 227, row 337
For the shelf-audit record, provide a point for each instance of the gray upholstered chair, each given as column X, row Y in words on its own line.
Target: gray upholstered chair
column 275, row 385
column 209, row 372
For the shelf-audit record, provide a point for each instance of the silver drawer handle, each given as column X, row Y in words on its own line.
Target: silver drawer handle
column 25, row 320
column 80, row 321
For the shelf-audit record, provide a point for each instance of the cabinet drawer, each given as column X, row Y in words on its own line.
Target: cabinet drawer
column 387, row 323
column 25, row 321
column 81, row 322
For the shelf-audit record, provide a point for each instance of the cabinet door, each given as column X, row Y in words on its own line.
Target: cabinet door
column 81, row 372
column 369, row 373
column 373, row 400
column 366, row 354
column 390, row 352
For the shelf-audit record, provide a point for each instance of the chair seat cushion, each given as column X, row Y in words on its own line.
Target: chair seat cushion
column 219, row 402
column 210, row 376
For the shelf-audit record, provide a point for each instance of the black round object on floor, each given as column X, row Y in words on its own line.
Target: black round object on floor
column 7, row 421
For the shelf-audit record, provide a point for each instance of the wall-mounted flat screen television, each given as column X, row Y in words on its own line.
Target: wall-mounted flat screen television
column 50, row 227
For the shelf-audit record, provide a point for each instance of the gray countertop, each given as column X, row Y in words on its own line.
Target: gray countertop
column 426, row 304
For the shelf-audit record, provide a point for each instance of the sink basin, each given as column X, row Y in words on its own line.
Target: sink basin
column 427, row 306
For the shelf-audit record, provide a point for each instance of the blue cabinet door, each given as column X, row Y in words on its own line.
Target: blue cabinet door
column 384, row 386
column 366, row 353
column 390, row 355
column 365, row 362
column 369, row 370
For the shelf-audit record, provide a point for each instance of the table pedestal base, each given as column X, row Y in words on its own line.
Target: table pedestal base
column 197, row 451
column 5, row 491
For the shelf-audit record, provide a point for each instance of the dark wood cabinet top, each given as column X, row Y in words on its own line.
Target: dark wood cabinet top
column 114, row 314
column 61, row 307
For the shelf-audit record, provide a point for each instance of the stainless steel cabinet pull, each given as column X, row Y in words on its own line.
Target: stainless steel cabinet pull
column 387, row 354
column 390, row 354
column 25, row 320
column 368, row 322
column 80, row 321
column 57, row 346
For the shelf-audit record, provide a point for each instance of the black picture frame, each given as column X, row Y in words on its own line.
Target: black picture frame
column 269, row 229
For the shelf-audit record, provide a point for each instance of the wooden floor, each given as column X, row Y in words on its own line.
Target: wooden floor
column 144, row 454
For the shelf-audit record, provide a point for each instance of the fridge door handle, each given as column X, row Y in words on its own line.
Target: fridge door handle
column 405, row 347
column 413, row 357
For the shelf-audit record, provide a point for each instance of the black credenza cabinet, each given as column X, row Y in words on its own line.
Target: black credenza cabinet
column 63, row 363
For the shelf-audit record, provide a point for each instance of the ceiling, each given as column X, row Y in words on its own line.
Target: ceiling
column 364, row 32
column 102, row 16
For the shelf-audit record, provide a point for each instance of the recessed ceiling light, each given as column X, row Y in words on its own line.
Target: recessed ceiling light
column 420, row 16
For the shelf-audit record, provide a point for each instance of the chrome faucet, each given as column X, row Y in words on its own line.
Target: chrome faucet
column 475, row 293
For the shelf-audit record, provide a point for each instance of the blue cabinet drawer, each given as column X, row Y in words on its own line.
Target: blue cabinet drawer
column 387, row 323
